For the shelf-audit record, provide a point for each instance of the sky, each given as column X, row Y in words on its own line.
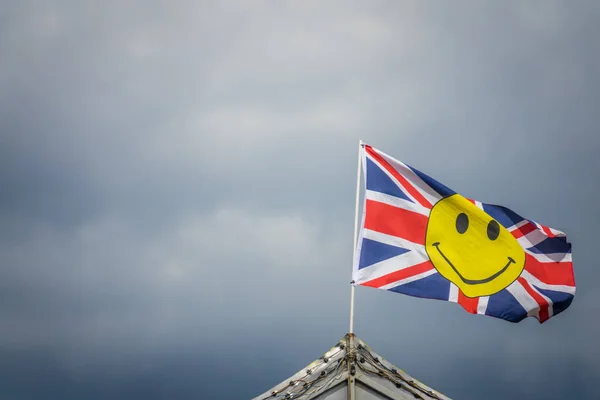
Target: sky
column 177, row 188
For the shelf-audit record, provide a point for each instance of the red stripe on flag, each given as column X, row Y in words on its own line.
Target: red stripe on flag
column 403, row 181
column 551, row 273
column 524, row 230
column 544, row 313
column 468, row 303
column 394, row 221
column 400, row 274
column 547, row 231
column 472, row 201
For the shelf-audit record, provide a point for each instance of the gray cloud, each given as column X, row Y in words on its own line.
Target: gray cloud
column 178, row 187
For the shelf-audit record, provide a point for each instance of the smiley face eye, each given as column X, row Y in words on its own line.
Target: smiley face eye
column 493, row 230
column 462, row 223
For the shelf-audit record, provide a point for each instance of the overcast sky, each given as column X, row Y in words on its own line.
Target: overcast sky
column 177, row 188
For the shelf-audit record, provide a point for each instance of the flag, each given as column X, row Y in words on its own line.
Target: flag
column 420, row 238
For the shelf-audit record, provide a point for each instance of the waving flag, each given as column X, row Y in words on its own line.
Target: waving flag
column 420, row 238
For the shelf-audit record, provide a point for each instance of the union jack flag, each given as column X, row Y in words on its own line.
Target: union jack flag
column 392, row 254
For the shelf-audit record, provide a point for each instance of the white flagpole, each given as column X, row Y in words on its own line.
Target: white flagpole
column 360, row 145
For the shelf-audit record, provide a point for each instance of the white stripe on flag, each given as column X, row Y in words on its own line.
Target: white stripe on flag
column 549, row 301
column 409, row 279
column 551, row 258
column 517, row 225
column 388, row 266
column 453, row 295
column 394, row 241
column 482, row 305
column 396, row 202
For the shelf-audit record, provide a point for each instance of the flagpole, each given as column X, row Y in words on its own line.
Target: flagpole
column 360, row 145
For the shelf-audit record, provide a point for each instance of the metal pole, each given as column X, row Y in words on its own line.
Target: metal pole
column 360, row 145
column 351, row 361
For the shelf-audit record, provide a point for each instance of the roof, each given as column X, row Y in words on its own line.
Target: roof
column 351, row 370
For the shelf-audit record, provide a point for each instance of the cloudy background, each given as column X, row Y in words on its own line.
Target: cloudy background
column 177, row 188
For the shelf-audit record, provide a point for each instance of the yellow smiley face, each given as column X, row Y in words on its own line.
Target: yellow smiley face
column 470, row 249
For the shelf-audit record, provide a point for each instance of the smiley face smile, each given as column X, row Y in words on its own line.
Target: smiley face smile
column 473, row 281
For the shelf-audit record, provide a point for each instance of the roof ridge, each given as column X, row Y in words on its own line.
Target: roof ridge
column 351, row 361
